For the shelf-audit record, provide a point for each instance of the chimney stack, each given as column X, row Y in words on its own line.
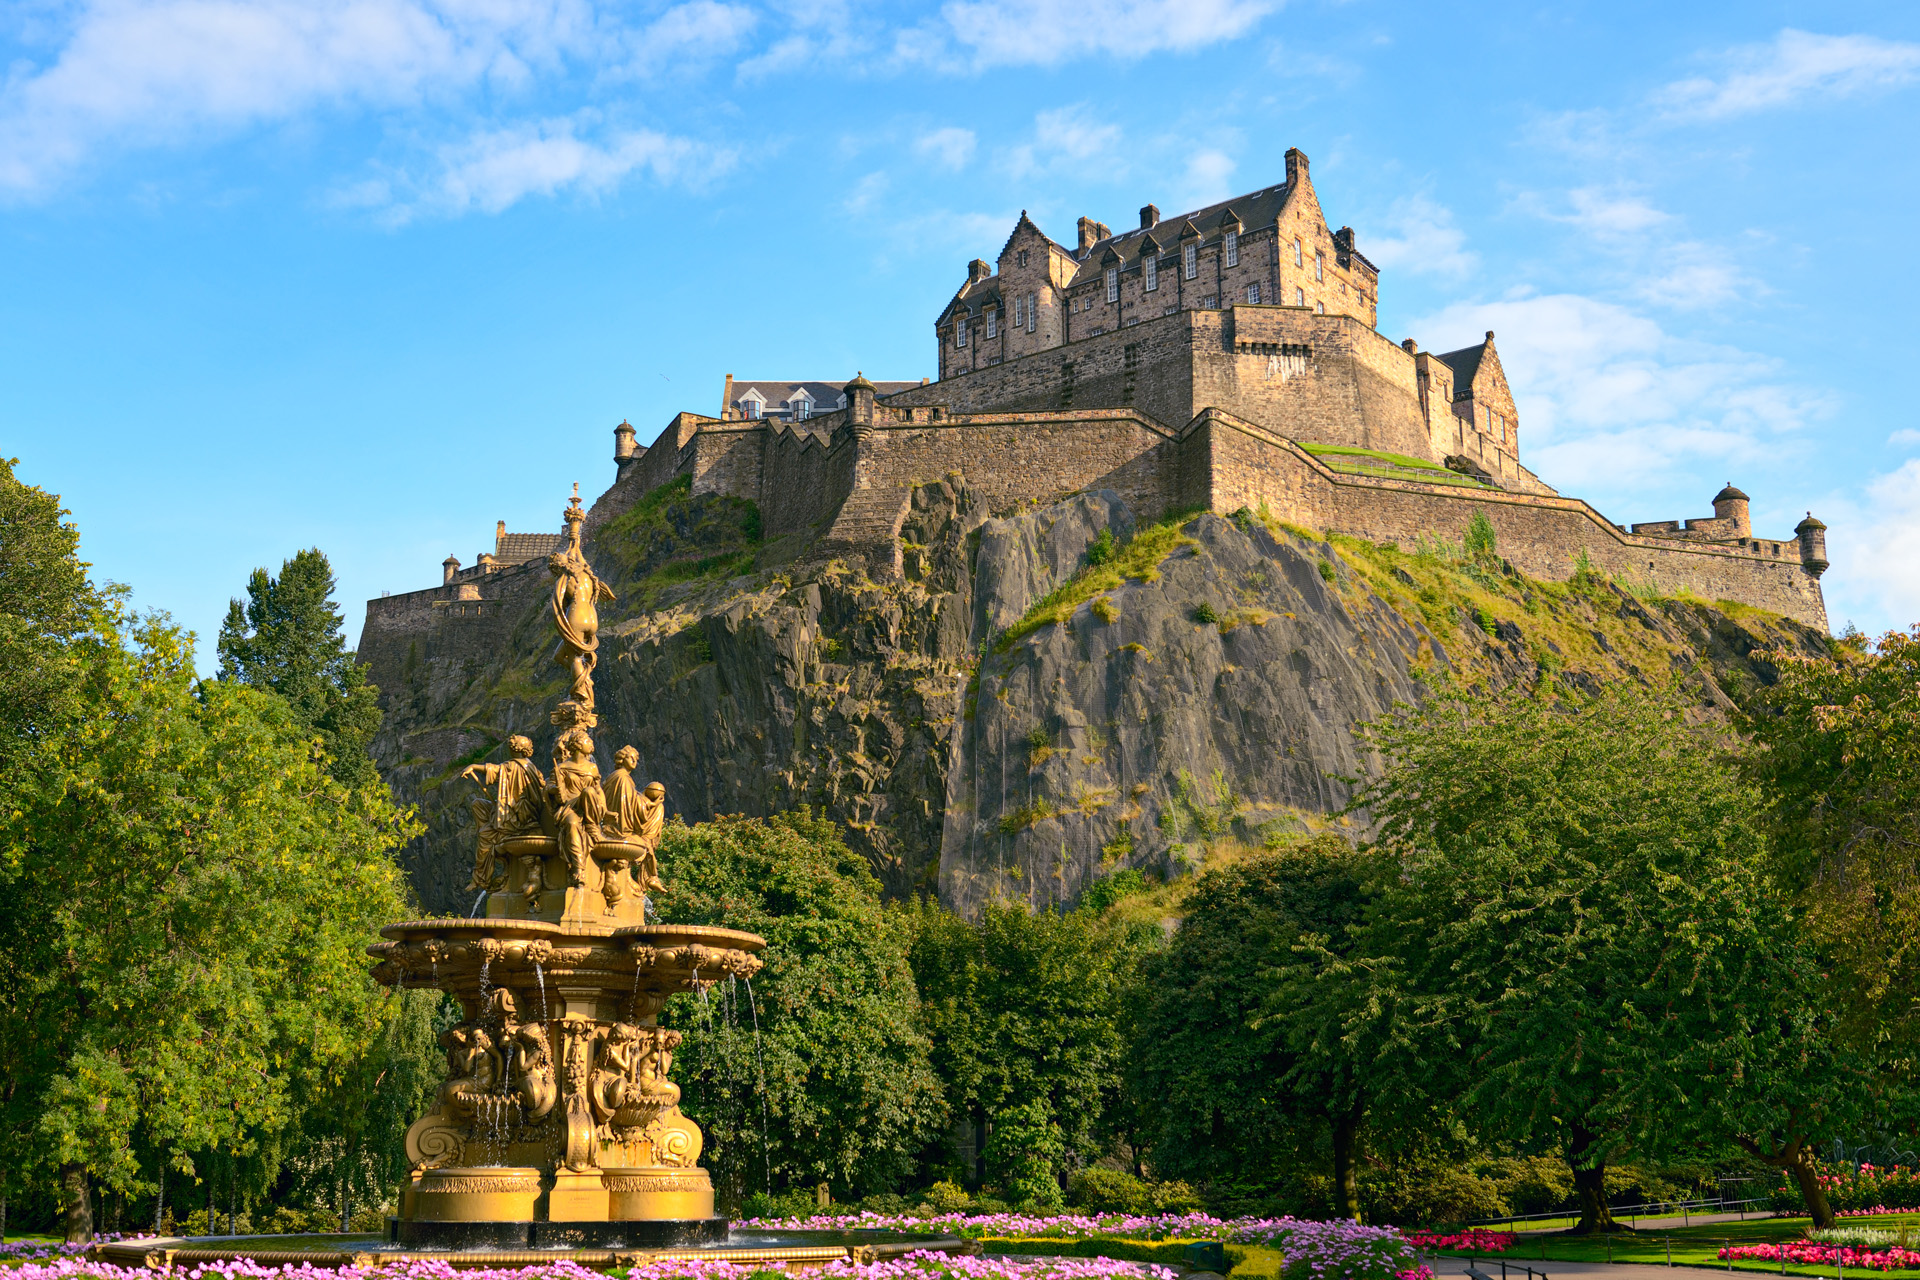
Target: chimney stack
column 1091, row 233
column 977, row 270
column 1149, row 215
column 1296, row 165
column 499, row 536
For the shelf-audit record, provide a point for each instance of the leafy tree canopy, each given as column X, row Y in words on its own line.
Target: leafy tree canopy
column 184, row 898
column 286, row 638
column 835, row 1087
column 1589, row 954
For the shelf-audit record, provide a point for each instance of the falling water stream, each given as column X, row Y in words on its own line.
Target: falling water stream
column 541, row 978
column 760, row 1061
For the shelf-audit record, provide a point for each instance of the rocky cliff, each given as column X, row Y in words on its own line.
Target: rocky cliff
column 1039, row 700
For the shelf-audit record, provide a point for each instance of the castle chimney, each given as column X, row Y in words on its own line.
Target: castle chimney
column 1343, row 242
column 1149, row 215
column 1731, row 504
column 623, row 441
column 1813, row 544
column 1091, row 233
column 1410, row 347
column 487, row 562
column 449, row 567
column 1296, row 165
column 978, row 270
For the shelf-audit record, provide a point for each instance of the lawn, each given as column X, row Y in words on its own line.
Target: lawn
column 1686, row 1246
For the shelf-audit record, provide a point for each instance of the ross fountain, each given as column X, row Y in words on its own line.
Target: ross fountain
column 558, row 1129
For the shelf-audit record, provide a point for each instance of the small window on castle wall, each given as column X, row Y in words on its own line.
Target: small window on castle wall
column 1320, row 307
column 960, row 332
column 1020, row 258
column 1113, row 284
column 993, row 324
column 1319, row 266
column 1233, row 248
column 1299, row 297
column 1150, row 271
column 1297, row 251
column 1033, row 300
column 1253, row 293
column 1019, row 310
column 1190, row 260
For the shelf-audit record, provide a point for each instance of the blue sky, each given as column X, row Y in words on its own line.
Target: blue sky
column 372, row 274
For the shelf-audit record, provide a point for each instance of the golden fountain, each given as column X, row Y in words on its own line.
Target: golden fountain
column 558, row 1125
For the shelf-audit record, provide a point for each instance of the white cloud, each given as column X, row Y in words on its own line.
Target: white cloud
column 696, row 31
column 1599, row 213
column 1205, row 180
column 1067, row 137
column 1904, row 436
column 950, row 148
column 1608, row 398
column 140, row 72
column 1797, row 64
column 1875, row 549
column 1050, row 32
column 867, row 192
column 491, row 171
column 1421, row 239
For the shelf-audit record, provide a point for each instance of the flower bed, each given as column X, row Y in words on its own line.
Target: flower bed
column 1869, row 1189
column 1469, row 1241
column 1810, row 1253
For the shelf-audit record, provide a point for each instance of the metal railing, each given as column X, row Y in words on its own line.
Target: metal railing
column 1683, row 1209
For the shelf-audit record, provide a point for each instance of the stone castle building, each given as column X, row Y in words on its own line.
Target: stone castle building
column 1223, row 358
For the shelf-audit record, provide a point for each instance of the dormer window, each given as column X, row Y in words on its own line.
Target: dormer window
column 960, row 331
column 751, row 405
column 1150, row 271
column 1113, row 284
column 1232, row 242
column 993, row 322
column 1189, row 260
column 802, row 406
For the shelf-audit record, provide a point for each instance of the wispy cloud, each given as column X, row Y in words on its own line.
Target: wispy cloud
column 1421, row 239
column 1874, row 543
column 1607, row 397
column 492, row 171
column 1051, row 32
column 164, row 71
column 1794, row 66
column 698, row 31
column 1066, row 137
column 949, row 148
column 1207, row 178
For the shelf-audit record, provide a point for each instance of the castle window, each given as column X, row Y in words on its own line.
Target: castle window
column 802, row 407
column 1113, row 284
column 1020, row 258
column 1019, row 310
column 993, row 322
column 1299, row 297
column 1233, row 248
column 1189, row 260
column 960, row 331
column 1253, row 293
column 1320, row 307
column 751, row 406
column 1319, row 265
column 1151, row 269
column 1032, row 301
column 1297, row 250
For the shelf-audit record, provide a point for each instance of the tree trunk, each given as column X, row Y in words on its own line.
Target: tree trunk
column 1794, row 1156
column 1590, row 1184
column 1346, row 1186
column 160, row 1199
column 1805, row 1174
column 73, row 1186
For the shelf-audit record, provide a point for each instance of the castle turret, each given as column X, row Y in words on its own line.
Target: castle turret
column 448, row 568
column 1813, row 544
column 623, row 441
column 1731, row 504
column 860, row 405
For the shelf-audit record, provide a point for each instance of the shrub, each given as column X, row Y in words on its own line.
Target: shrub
column 1023, row 1152
column 1326, row 570
column 1204, row 613
column 1479, row 540
column 1102, row 548
column 1099, row 1190
column 1105, row 609
column 1102, row 894
column 948, row 1197
column 1173, row 1197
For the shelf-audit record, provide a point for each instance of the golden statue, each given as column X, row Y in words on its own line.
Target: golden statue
column 577, row 591
column 578, row 802
column 635, row 817
column 513, row 809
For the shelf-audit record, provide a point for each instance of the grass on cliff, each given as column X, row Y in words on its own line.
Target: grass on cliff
column 1108, row 567
column 673, row 536
column 1378, row 462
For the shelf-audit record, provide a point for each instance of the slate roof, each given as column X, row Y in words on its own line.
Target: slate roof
column 1465, row 364
column 518, row 548
column 1255, row 209
column 776, row 395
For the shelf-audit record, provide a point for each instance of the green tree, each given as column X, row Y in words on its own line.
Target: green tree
column 184, row 898
column 1587, row 950
column 46, row 605
column 286, row 638
column 815, row 1070
column 1025, row 1011
column 1242, row 1035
